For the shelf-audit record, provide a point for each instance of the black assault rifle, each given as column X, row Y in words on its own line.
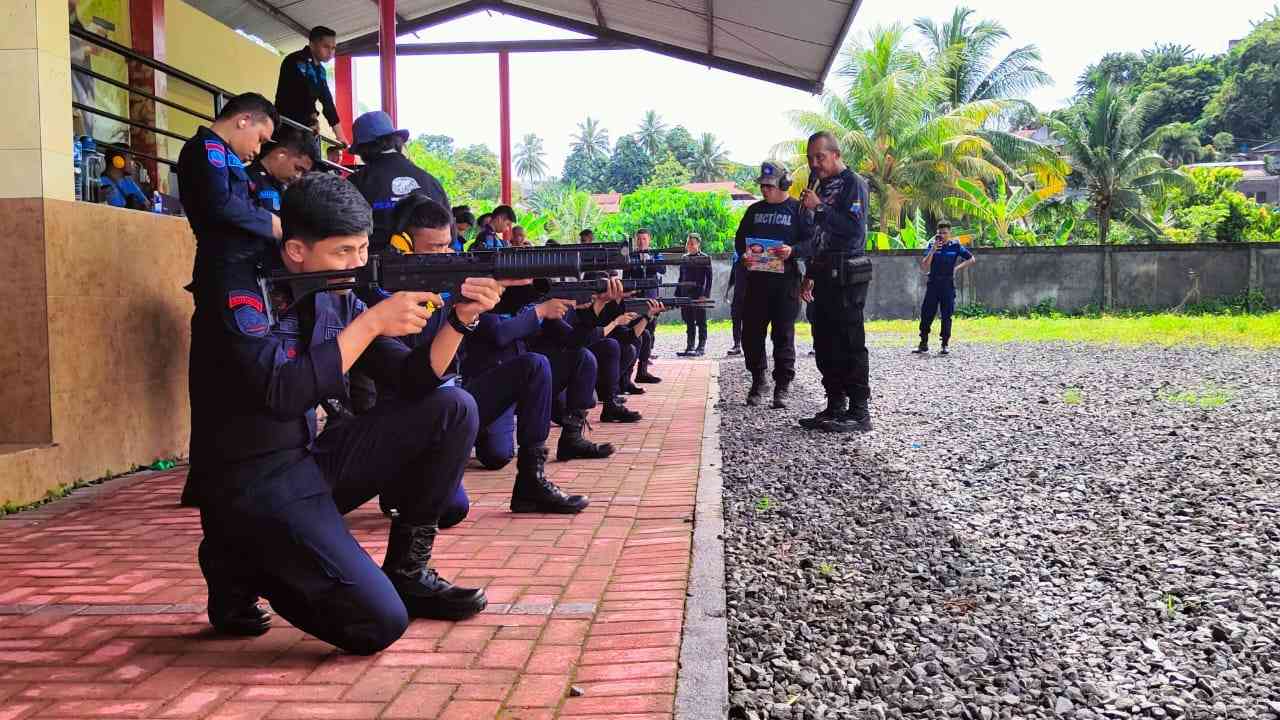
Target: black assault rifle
column 445, row 272
column 641, row 305
column 582, row 290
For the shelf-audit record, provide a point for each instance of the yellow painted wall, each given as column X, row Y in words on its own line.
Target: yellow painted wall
column 199, row 45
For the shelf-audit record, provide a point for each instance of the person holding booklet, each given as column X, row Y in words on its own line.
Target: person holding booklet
column 770, row 238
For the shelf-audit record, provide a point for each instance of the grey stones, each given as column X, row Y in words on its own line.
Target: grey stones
column 991, row 552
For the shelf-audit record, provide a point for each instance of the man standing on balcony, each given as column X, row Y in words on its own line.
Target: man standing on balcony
column 303, row 81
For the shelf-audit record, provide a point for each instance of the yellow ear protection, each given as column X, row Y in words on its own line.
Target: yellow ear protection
column 402, row 242
column 117, row 162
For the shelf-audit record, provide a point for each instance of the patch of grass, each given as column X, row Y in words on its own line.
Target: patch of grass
column 826, row 569
column 10, row 507
column 1208, row 398
column 764, row 504
column 1164, row 330
column 1072, row 396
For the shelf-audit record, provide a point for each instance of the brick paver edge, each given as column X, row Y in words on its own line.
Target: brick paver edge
column 702, row 692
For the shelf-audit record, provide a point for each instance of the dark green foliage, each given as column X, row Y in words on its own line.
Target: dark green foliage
column 586, row 172
column 1246, row 103
column 630, row 167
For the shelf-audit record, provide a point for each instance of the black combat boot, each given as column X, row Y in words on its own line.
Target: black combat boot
column 534, row 493
column 759, row 386
column 631, row 388
column 616, row 412
column 574, row 444
column 735, row 350
column 944, row 350
column 688, row 344
column 781, row 391
column 922, row 348
column 835, row 407
column 644, row 376
column 234, row 610
column 424, row 592
column 702, row 346
column 856, row 420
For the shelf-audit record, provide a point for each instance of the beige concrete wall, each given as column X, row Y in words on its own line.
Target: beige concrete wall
column 35, row 82
column 118, row 329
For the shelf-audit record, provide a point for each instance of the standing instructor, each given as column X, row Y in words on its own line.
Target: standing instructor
column 836, row 280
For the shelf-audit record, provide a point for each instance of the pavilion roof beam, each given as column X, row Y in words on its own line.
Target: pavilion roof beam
column 711, row 27
column 370, row 39
column 281, row 16
column 508, row 46
column 595, row 6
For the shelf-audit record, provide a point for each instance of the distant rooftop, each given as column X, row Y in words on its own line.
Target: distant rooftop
column 611, row 202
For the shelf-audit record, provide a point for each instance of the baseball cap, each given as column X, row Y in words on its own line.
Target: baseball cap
column 771, row 173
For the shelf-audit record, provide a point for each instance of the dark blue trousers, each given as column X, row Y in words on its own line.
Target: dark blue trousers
column 938, row 296
column 296, row 551
column 514, row 396
column 608, row 354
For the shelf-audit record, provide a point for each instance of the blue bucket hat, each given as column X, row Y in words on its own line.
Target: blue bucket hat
column 373, row 125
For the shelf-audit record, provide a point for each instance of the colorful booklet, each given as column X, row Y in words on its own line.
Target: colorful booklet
column 760, row 257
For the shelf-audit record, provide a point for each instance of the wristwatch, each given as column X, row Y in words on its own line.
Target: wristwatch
column 463, row 328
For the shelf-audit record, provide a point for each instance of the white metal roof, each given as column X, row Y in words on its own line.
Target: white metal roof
column 790, row 42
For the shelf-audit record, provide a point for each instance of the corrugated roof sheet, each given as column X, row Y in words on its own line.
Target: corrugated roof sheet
column 792, row 42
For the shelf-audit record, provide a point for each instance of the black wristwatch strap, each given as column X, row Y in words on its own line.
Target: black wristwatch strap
column 461, row 327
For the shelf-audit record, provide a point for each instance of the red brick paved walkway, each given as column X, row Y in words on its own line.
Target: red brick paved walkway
column 102, row 605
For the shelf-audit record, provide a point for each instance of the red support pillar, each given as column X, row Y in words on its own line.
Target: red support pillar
column 387, row 55
column 504, row 114
column 345, row 99
column 146, row 25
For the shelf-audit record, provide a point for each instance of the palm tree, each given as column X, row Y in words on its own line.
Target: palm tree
column 591, row 140
column 529, row 159
column 709, row 159
column 567, row 210
column 998, row 213
column 652, row 135
column 890, row 130
column 963, row 51
column 1119, row 166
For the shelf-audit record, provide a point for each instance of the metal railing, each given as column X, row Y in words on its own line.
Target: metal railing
column 219, row 97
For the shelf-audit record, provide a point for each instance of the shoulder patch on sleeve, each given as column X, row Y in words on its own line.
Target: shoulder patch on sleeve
column 216, row 153
column 241, row 298
column 251, row 321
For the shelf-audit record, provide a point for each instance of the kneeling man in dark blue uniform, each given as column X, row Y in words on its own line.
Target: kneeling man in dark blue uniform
column 272, row 493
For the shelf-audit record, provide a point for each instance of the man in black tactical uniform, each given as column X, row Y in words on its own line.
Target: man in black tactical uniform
column 289, row 156
column 303, row 81
column 640, row 270
column 836, row 280
column 698, row 280
column 388, row 176
column 771, row 292
column 272, row 493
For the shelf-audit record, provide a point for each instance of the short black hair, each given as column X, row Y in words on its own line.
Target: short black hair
column 462, row 216
column 321, row 32
column 321, row 205
column 504, row 211
column 299, row 142
column 484, row 218
column 643, row 231
column 373, row 148
column 254, row 104
column 944, row 224
column 832, row 143
column 423, row 212
column 587, row 232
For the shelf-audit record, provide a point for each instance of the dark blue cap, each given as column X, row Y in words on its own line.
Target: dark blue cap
column 373, row 125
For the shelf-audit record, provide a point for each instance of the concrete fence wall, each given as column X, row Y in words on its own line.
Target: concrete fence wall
column 1073, row 277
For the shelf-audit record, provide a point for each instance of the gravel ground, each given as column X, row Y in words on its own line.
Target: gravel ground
column 1031, row 532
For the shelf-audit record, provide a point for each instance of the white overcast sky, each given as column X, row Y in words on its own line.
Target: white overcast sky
column 552, row 92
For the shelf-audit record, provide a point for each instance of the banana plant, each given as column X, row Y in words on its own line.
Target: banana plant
column 912, row 236
column 998, row 213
